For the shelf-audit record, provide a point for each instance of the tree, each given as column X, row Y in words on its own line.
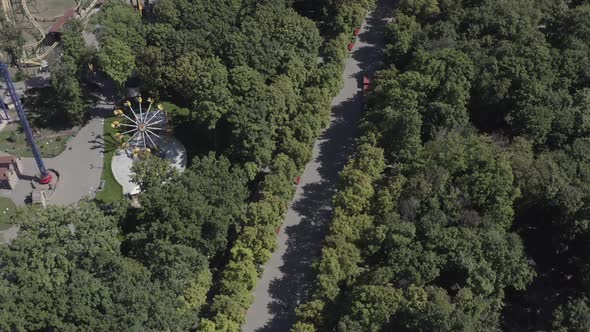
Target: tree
column 573, row 317
column 64, row 272
column 121, row 21
column 401, row 37
column 203, row 82
column 371, row 308
column 116, row 59
column 270, row 38
column 11, row 39
column 197, row 210
column 450, row 72
column 72, row 42
column 152, row 172
column 68, row 91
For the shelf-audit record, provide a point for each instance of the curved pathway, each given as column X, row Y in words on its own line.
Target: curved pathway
column 287, row 276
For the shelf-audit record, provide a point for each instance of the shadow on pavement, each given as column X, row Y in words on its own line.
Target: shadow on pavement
column 370, row 57
column 315, row 207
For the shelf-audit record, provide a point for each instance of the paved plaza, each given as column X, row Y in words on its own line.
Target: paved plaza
column 80, row 165
column 122, row 161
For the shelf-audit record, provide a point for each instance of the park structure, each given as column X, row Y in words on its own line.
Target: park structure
column 143, row 130
column 45, row 176
column 40, row 23
column 140, row 132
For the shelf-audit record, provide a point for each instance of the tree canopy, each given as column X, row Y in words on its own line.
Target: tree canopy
column 479, row 221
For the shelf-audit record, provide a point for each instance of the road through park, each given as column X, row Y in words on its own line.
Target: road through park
column 288, row 276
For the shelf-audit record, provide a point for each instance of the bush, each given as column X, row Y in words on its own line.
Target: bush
column 12, row 137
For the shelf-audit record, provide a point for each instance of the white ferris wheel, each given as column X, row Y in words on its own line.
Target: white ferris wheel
column 141, row 129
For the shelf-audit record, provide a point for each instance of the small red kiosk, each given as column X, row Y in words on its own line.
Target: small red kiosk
column 366, row 85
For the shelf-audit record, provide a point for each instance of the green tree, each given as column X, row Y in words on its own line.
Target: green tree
column 11, row 39
column 196, row 210
column 116, row 59
column 64, row 272
column 72, row 42
column 203, row 82
column 371, row 308
column 573, row 316
column 152, row 172
column 68, row 91
column 121, row 21
column 271, row 38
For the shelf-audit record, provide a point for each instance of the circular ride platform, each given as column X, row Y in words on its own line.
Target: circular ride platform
column 169, row 147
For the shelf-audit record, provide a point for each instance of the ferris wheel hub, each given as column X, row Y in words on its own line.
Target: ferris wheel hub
column 140, row 127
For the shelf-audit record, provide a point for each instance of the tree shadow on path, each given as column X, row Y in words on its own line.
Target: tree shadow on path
column 314, row 206
column 336, row 146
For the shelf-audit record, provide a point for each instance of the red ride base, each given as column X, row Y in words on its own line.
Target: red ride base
column 46, row 179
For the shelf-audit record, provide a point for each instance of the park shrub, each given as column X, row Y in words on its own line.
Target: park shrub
column 12, row 137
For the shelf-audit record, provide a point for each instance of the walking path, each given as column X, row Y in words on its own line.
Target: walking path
column 287, row 277
column 80, row 165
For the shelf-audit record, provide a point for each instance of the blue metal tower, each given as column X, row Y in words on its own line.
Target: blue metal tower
column 45, row 175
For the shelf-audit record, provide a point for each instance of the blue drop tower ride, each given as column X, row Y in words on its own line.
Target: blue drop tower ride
column 45, row 175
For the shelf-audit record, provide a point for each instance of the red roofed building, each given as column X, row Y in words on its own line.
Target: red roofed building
column 10, row 169
column 57, row 27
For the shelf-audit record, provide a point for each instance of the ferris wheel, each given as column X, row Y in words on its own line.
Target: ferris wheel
column 139, row 128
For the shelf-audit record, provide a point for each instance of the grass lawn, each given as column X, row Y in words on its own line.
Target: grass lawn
column 50, row 143
column 6, row 203
column 112, row 190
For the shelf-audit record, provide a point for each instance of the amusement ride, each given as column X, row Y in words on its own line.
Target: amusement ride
column 143, row 129
column 45, row 176
column 140, row 129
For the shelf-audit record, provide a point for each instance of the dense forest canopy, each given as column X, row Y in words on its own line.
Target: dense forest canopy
column 466, row 207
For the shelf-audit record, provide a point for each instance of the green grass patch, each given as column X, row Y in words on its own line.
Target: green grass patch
column 7, row 208
column 175, row 111
column 14, row 141
column 112, row 190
